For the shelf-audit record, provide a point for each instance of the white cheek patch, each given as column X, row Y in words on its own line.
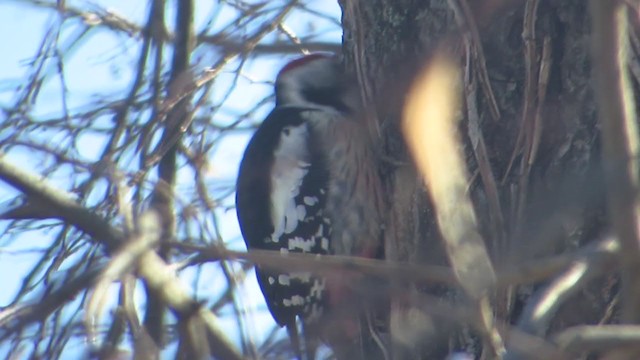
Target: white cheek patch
column 297, row 300
column 290, row 166
column 316, row 312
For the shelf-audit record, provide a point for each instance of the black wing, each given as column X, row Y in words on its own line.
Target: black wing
column 288, row 294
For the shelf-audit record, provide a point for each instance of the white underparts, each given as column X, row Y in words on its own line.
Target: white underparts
column 291, row 164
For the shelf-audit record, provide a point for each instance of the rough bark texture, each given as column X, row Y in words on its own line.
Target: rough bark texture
column 559, row 196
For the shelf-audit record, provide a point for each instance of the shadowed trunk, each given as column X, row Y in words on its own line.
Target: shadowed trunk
column 530, row 136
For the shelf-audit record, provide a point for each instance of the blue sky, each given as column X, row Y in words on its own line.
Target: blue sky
column 104, row 64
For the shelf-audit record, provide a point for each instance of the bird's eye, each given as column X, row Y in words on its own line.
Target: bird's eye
column 286, row 131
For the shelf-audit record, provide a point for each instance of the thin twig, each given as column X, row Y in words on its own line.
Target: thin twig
column 467, row 22
column 543, row 305
column 151, row 267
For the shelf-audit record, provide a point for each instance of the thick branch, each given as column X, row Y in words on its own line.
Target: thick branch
column 581, row 339
column 620, row 138
column 59, row 204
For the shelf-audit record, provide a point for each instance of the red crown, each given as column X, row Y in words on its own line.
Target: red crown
column 304, row 60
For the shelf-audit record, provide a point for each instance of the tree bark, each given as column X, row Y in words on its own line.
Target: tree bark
column 533, row 152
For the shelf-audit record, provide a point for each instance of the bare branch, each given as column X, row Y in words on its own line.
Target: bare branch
column 151, row 268
column 581, row 339
column 620, row 137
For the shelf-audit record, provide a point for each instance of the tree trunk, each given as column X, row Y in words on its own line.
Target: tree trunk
column 540, row 141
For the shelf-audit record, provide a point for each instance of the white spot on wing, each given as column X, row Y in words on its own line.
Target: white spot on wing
column 317, row 288
column 302, row 244
column 310, row 200
column 304, row 277
column 325, row 244
column 284, row 280
column 271, row 280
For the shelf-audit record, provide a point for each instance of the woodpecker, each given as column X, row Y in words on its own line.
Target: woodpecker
column 307, row 183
